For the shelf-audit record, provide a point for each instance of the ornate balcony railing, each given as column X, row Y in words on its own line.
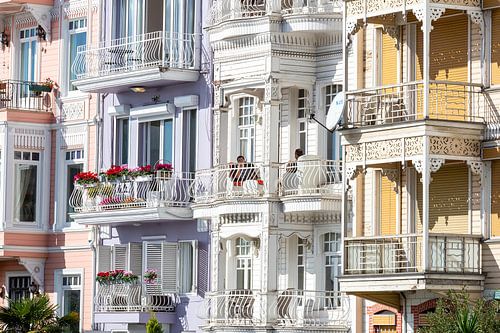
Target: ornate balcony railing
column 310, row 177
column 306, row 308
column 163, row 190
column 403, row 254
column 230, row 181
column 492, row 119
column 224, row 10
column 150, row 50
column 134, row 297
column 405, row 102
column 285, row 308
column 25, row 95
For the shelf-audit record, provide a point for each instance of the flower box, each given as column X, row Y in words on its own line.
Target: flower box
column 40, row 88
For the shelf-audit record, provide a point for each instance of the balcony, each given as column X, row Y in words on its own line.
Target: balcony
column 148, row 198
column 240, row 17
column 25, row 101
column 151, row 59
column 395, row 263
column 449, row 101
column 286, row 308
column 132, row 303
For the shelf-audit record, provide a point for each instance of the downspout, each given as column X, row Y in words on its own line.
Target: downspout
column 404, row 324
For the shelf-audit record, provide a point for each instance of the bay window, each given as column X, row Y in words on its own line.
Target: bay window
column 77, row 37
column 246, row 128
column 156, row 141
column 26, row 168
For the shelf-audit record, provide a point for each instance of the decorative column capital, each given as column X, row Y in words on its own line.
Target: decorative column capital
column 476, row 167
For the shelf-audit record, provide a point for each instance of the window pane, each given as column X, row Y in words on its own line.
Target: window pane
column 186, row 267
column 71, row 173
column 19, row 287
column 25, row 61
column 25, row 193
column 123, row 134
column 76, row 40
column 154, row 142
column 71, row 302
column 192, row 140
column 168, row 142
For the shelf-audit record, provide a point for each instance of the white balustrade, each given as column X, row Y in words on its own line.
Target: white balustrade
column 150, row 50
column 160, row 190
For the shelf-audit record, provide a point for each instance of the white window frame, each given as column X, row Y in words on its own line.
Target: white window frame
column 33, row 37
column 67, row 163
column 247, row 260
column 194, row 269
column 336, row 255
column 185, row 148
column 59, row 289
column 301, row 244
column 302, row 120
column 39, row 183
column 329, row 93
column 141, row 139
column 71, row 32
column 118, row 134
column 247, row 127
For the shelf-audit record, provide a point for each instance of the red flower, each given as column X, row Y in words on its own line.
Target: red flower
column 86, row 178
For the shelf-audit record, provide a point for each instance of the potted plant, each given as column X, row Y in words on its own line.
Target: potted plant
column 150, row 276
column 43, row 86
column 164, row 171
column 117, row 276
column 86, row 179
column 141, row 173
column 115, row 173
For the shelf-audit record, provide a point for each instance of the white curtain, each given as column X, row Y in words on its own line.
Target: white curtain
column 186, row 267
column 23, row 206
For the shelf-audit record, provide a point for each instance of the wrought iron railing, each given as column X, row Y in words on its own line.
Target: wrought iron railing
column 25, row 95
column 224, row 10
column 455, row 101
column 155, row 49
column 134, row 297
column 290, row 308
column 309, row 177
column 403, row 254
column 162, row 190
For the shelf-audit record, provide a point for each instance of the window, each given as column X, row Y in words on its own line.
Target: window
column 301, row 263
column 334, row 151
column 71, row 294
column 25, row 185
column 129, row 18
column 77, row 37
column 187, row 269
column 246, row 128
column 156, row 141
column 29, row 59
column 179, row 16
column 331, row 252
column 190, row 138
column 302, row 104
column 74, row 165
column 19, row 287
column 243, row 264
column 122, row 135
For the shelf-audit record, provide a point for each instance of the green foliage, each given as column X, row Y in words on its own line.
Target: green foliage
column 457, row 313
column 38, row 315
column 153, row 326
column 25, row 315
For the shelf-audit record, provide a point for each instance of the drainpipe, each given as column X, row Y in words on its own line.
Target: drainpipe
column 404, row 324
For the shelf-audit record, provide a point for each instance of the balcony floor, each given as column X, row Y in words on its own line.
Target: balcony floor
column 121, row 317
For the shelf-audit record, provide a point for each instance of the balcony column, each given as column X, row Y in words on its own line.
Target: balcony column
column 426, row 175
column 271, row 118
column 426, row 28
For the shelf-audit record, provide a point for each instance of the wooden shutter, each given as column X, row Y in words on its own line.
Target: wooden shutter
column 388, row 209
column 120, row 256
column 448, row 200
column 495, row 46
column 495, row 198
column 389, row 60
column 162, row 257
column 135, row 258
column 103, row 258
column 169, row 269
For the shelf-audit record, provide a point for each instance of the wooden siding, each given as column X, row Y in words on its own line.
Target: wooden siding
column 491, row 265
column 491, row 3
column 495, row 46
column 389, row 60
column 495, row 198
column 448, row 200
column 388, row 212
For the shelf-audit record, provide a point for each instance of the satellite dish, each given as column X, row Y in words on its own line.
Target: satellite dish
column 335, row 111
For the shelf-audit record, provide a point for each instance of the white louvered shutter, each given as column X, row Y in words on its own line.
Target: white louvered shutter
column 135, row 258
column 103, row 258
column 169, row 269
column 120, row 256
